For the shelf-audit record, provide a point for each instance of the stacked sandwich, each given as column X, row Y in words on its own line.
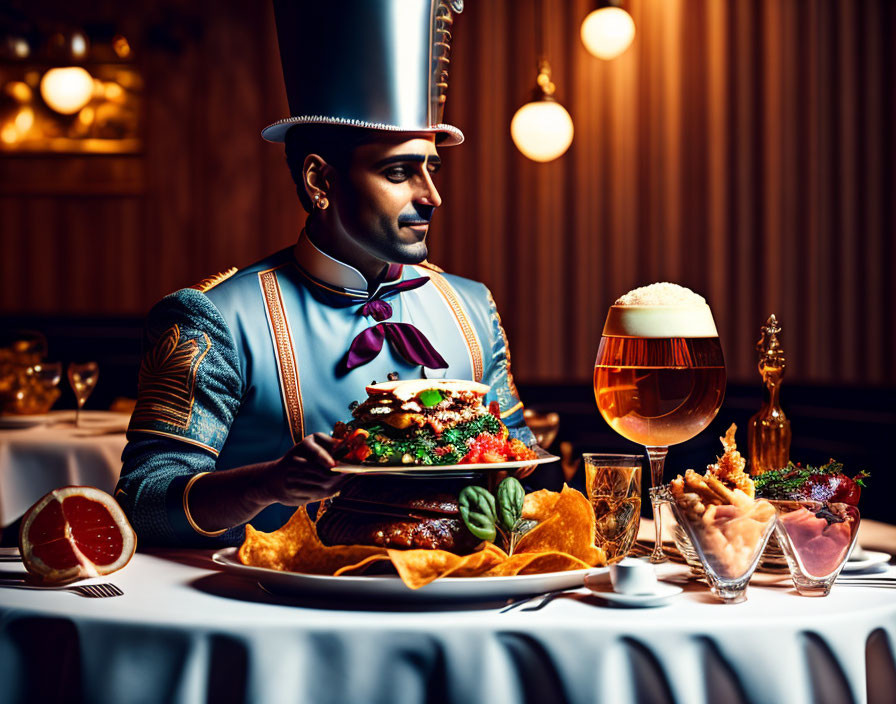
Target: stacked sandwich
column 427, row 422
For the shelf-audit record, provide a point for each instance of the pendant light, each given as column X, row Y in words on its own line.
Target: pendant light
column 608, row 31
column 542, row 128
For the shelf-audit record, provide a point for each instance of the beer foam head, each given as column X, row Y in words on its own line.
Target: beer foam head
column 660, row 310
column 661, row 294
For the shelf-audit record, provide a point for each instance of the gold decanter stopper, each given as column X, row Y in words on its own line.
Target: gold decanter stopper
column 769, row 430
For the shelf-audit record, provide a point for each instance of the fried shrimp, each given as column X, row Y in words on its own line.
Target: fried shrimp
column 730, row 466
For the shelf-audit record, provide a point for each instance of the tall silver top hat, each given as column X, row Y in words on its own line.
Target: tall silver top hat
column 378, row 64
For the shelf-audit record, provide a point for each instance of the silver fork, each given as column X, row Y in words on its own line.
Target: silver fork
column 91, row 591
column 537, row 602
column 883, row 582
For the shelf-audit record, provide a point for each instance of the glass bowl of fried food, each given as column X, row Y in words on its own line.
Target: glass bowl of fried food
column 721, row 528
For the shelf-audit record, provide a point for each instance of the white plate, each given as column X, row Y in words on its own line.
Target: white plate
column 13, row 421
column 543, row 457
column 601, row 586
column 871, row 558
column 390, row 587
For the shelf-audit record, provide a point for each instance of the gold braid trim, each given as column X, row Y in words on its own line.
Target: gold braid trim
column 511, row 411
column 286, row 358
column 463, row 321
column 193, row 524
column 210, row 282
column 510, row 382
column 432, row 267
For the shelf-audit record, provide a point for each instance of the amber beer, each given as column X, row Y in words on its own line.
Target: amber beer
column 653, row 387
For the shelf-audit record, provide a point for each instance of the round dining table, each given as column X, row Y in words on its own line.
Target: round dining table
column 185, row 631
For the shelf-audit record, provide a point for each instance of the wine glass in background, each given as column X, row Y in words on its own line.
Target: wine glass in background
column 659, row 376
column 20, row 350
column 83, row 378
column 37, row 390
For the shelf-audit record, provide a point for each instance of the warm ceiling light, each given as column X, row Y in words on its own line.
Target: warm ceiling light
column 78, row 45
column 66, row 90
column 542, row 129
column 607, row 32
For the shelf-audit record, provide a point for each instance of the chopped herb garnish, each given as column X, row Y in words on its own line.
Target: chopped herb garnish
column 388, row 445
column 782, row 483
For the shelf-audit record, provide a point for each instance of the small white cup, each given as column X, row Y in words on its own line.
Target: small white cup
column 633, row 576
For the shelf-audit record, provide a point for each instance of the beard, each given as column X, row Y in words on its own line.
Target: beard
column 387, row 240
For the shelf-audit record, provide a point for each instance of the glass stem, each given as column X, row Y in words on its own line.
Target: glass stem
column 78, row 413
column 657, row 457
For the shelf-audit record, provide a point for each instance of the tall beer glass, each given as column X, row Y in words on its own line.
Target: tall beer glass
column 659, row 377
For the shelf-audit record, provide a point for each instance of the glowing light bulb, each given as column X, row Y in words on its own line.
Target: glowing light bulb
column 78, row 45
column 542, row 130
column 608, row 32
column 66, row 90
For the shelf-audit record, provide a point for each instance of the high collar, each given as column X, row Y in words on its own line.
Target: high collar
column 330, row 273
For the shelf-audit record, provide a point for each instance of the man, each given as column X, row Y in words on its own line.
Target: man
column 246, row 373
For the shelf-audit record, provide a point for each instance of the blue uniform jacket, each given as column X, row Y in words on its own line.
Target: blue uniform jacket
column 240, row 368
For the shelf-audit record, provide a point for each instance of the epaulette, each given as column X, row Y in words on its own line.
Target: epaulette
column 211, row 281
column 429, row 265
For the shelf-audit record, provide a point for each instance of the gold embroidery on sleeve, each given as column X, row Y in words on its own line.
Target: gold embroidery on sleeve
column 167, row 378
column 210, row 282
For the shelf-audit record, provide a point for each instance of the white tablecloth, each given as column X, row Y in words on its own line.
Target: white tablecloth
column 184, row 633
column 36, row 460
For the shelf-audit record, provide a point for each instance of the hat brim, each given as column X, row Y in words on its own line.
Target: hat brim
column 277, row 132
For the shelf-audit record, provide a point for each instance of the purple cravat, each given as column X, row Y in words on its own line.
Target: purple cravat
column 405, row 339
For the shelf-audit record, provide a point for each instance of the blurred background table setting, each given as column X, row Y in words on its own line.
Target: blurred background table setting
column 41, row 446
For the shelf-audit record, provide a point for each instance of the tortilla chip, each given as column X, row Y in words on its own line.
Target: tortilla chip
column 568, row 529
column 562, row 540
column 296, row 548
column 362, row 566
column 536, row 563
column 418, row 568
column 273, row 550
column 538, row 505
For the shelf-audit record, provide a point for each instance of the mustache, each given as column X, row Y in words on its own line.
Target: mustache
column 416, row 218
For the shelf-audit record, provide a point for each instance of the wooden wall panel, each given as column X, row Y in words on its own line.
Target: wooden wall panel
column 742, row 148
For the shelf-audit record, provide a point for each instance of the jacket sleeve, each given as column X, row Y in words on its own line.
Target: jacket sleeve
column 188, row 393
column 498, row 376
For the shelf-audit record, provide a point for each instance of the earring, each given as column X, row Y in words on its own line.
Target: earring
column 321, row 201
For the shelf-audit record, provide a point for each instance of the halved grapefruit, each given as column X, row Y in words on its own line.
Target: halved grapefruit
column 75, row 532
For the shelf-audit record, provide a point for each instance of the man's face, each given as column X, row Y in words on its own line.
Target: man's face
column 386, row 199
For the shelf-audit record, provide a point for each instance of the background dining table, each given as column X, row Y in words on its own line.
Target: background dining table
column 47, row 455
column 184, row 631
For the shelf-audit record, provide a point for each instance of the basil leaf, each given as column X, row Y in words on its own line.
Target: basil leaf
column 477, row 509
column 430, row 397
column 510, row 502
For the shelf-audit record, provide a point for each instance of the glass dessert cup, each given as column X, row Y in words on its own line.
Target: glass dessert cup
column 816, row 538
column 727, row 541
